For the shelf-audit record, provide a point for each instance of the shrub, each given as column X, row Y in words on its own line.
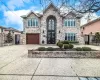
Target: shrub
column 78, row 49
column 65, row 42
column 86, row 49
column 9, row 38
column 50, row 49
column 60, row 45
column 62, row 42
column 73, row 42
column 70, row 46
column 57, row 43
column 66, row 46
column 41, row 48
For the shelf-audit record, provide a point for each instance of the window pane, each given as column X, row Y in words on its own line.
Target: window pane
column 68, row 36
column 49, row 24
column 28, row 22
column 74, row 23
column 71, row 36
column 65, row 36
column 36, row 22
column 68, row 23
column 33, row 22
column 53, row 25
column 65, row 22
column 71, row 23
column 74, row 37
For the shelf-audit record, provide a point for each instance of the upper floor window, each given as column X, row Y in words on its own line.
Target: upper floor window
column 33, row 22
column 69, row 22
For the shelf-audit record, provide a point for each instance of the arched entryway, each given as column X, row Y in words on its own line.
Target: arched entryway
column 51, row 30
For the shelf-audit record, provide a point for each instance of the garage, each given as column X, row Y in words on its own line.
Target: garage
column 32, row 38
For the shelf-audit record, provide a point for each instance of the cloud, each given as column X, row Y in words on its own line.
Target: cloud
column 12, row 4
column 13, row 18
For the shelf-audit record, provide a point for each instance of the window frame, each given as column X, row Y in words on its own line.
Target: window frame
column 33, row 22
column 70, row 36
column 71, row 22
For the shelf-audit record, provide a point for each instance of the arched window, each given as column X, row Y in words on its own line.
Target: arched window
column 51, row 30
column 51, row 25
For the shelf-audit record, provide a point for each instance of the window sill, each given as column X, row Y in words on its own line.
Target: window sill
column 70, row 27
column 32, row 27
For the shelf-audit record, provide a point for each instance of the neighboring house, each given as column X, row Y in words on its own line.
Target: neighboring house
column 15, row 33
column 88, row 30
column 2, row 35
column 51, row 26
column 4, row 32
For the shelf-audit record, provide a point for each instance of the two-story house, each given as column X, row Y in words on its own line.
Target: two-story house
column 51, row 26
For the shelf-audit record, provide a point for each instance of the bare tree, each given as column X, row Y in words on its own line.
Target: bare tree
column 81, row 6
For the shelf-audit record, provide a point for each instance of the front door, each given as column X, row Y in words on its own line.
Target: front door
column 87, row 39
column 51, row 30
column 17, row 39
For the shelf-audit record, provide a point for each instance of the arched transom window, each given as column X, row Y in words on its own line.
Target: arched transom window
column 51, row 25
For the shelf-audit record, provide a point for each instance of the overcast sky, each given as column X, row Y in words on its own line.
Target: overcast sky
column 11, row 10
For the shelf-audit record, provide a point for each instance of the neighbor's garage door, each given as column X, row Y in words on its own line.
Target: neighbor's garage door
column 32, row 38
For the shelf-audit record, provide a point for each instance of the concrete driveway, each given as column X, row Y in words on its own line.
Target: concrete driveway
column 14, row 65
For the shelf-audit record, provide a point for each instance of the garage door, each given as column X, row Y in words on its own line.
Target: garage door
column 32, row 38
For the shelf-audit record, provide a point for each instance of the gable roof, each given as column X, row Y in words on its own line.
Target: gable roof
column 56, row 8
column 91, row 22
column 50, row 5
column 10, row 29
column 31, row 12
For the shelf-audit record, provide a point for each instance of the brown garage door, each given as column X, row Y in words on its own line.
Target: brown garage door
column 32, row 38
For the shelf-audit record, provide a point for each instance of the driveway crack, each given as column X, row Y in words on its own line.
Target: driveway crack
column 75, row 73
column 36, row 69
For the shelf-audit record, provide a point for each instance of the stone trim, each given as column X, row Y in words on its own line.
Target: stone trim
column 63, row 54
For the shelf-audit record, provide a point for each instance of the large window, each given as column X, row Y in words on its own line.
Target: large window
column 69, row 22
column 33, row 22
column 51, row 25
column 70, row 36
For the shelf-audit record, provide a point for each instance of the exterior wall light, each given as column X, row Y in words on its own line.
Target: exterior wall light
column 90, row 32
column 42, row 41
column 59, row 31
column 81, row 32
column 43, row 31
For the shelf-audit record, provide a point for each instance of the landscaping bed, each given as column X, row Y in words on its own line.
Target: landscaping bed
column 63, row 54
column 65, row 50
